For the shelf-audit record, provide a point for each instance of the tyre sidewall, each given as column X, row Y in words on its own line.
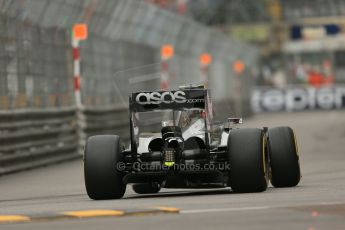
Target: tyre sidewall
column 247, row 160
column 284, row 159
column 102, row 179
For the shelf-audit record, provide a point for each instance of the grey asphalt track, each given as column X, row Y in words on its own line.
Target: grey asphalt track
column 317, row 203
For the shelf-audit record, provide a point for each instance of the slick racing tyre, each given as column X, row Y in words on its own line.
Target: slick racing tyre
column 102, row 180
column 146, row 188
column 284, row 159
column 247, row 158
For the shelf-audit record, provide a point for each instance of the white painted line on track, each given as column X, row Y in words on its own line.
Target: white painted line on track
column 254, row 208
column 225, row 209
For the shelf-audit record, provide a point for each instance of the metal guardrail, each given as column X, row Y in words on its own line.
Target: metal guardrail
column 107, row 120
column 35, row 138
column 32, row 138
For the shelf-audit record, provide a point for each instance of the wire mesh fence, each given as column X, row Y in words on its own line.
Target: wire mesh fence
column 36, row 61
column 34, row 66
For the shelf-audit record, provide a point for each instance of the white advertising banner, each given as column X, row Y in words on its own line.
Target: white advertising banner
column 298, row 98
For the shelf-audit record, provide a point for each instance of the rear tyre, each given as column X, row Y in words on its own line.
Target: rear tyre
column 146, row 188
column 102, row 180
column 246, row 155
column 284, row 160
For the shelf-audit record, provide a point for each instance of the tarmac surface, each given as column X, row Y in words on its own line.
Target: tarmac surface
column 28, row 197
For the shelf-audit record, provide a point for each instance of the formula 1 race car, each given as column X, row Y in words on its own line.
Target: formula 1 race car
column 173, row 144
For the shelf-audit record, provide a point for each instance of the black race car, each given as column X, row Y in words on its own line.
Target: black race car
column 174, row 144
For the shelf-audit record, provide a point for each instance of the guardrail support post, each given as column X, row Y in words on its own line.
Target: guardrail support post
column 79, row 33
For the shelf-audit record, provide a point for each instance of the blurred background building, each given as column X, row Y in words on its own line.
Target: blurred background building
column 301, row 41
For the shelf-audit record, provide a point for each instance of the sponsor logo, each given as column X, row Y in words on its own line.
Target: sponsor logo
column 157, row 98
column 298, row 98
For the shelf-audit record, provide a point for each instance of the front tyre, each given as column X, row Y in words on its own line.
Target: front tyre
column 247, row 158
column 102, row 180
column 284, row 160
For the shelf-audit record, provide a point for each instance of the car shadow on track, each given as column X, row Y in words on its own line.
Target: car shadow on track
column 164, row 194
column 193, row 192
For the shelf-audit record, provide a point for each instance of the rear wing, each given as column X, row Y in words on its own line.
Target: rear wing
column 162, row 100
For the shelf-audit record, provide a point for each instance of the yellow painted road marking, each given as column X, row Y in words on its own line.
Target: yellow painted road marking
column 93, row 213
column 168, row 209
column 88, row 214
column 13, row 218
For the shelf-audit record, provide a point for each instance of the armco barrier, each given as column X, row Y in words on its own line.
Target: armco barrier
column 32, row 138
column 107, row 120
